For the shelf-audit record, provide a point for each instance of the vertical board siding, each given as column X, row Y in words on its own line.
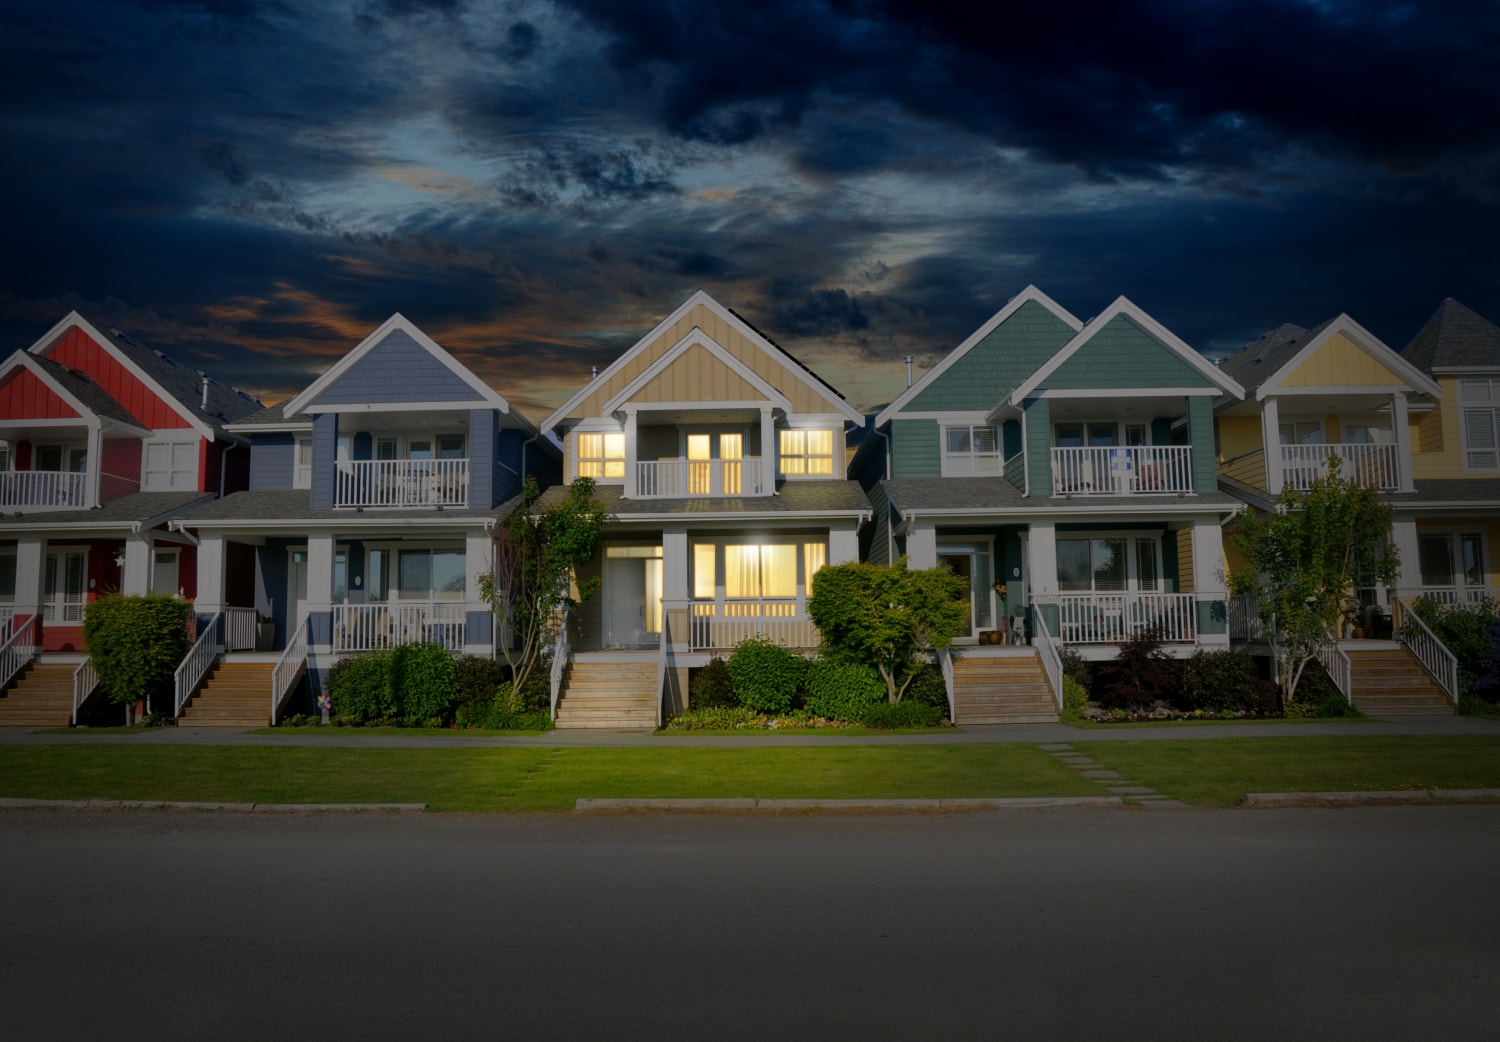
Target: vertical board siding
column 916, row 449
column 1341, row 363
column 325, row 449
column 1200, row 429
column 120, row 469
column 1038, row 417
column 273, row 460
column 77, row 349
column 997, row 364
column 697, row 376
column 1121, row 354
column 1184, row 561
column 398, row 369
column 26, row 397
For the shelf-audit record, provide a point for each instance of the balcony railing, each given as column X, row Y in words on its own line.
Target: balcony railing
column 402, row 483
column 1113, row 618
column 43, row 488
column 1373, row 466
column 1101, row 470
column 723, row 624
column 370, row 627
column 683, row 478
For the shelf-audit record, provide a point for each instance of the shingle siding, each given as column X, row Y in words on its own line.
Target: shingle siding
column 398, row 369
column 916, row 451
column 998, row 363
column 483, row 469
column 273, row 459
column 1038, row 417
column 1122, row 355
column 1200, row 428
column 325, row 446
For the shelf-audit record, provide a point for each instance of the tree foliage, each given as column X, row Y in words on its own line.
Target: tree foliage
column 883, row 615
column 536, row 555
column 1308, row 558
column 136, row 644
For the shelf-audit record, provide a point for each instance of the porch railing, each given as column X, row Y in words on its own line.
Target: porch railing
column 560, row 653
column 723, row 624
column 239, row 629
column 1245, row 622
column 43, row 488
column 369, row 627
column 945, row 663
column 1100, row 470
column 7, row 621
column 1370, row 465
column 402, row 483
column 1113, row 618
column 291, row 665
column 85, row 679
column 1337, row 665
column 1429, row 649
column 684, row 478
column 198, row 661
column 1451, row 595
column 22, row 646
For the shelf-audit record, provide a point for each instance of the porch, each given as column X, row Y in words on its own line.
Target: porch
column 1371, row 465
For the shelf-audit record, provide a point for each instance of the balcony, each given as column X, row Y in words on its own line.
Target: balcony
column 1102, row 470
column 1113, row 618
column 384, row 484
column 1373, row 466
column 370, row 627
column 55, row 489
column 717, row 625
column 683, row 478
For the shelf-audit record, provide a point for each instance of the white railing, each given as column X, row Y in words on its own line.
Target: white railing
column 684, row 478
column 1338, row 666
column 661, row 674
column 7, row 620
column 945, row 663
column 1429, row 649
column 1370, row 465
column 560, row 653
column 21, row 648
column 402, row 483
column 239, row 629
column 289, row 667
column 1046, row 649
column 723, row 624
column 1101, row 470
column 1245, row 622
column 43, row 488
column 369, row 627
column 85, row 679
column 1112, row 618
column 199, row 660
column 1451, row 595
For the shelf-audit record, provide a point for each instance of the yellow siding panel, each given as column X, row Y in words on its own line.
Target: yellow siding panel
column 1238, row 435
column 1249, row 467
column 1341, row 363
column 1185, row 561
column 1439, row 454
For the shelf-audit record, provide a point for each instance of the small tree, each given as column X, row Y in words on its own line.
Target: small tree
column 136, row 644
column 1307, row 559
column 536, row 555
column 884, row 615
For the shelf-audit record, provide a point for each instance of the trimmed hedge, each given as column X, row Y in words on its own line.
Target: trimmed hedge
column 766, row 676
column 843, row 690
column 416, row 684
column 903, row 714
column 712, row 687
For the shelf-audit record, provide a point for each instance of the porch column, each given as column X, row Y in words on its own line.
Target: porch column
column 769, row 452
column 1270, row 437
column 1404, row 538
column 136, row 579
column 631, row 456
column 1041, row 573
column 30, row 551
column 921, row 545
column 319, row 603
column 95, row 465
column 210, row 599
column 1402, row 434
column 1208, row 581
column 843, row 545
column 479, row 621
column 676, row 612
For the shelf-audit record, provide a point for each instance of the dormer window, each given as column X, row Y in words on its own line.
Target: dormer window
column 807, row 452
column 601, row 456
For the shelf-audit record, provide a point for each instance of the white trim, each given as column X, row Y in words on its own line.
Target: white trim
column 1466, row 370
column 695, row 338
column 75, row 319
column 1146, row 324
column 843, row 408
column 952, row 419
column 284, row 427
column 1030, row 293
column 1367, row 342
column 1384, row 390
column 86, row 417
column 1133, row 392
column 387, row 407
column 630, row 408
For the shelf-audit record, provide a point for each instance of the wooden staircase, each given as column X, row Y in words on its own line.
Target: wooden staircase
column 620, row 696
column 1009, row 689
column 1392, row 682
column 41, row 695
column 234, row 694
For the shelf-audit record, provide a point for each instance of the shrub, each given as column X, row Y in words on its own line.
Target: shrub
column 425, row 683
column 496, row 717
column 136, row 644
column 1142, row 674
column 766, row 676
column 360, row 688
column 844, row 690
column 1075, row 700
column 903, row 714
column 478, row 679
column 928, row 688
column 711, row 686
column 1076, row 666
column 1465, row 630
column 1318, row 697
column 1219, row 680
column 717, row 718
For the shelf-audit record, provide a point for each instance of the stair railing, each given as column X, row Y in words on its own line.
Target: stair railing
column 1428, row 648
column 1337, row 665
column 661, row 676
column 289, row 667
column 1046, row 647
column 85, row 679
column 945, row 663
column 20, row 649
column 560, row 653
column 199, row 660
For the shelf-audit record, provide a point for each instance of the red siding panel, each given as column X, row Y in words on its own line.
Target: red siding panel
column 120, row 474
column 77, row 349
column 25, row 397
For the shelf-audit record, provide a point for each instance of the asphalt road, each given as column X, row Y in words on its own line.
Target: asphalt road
column 1377, row 923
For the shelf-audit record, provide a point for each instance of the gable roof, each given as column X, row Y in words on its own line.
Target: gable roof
column 1257, row 360
column 1277, row 355
column 1455, row 337
column 1124, row 308
column 1028, row 295
column 699, row 340
column 80, row 393
column 795, row 369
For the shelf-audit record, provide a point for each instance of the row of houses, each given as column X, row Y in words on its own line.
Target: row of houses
column 1080, row 475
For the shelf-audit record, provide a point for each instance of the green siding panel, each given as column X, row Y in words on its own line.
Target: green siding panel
column 1123, row 355
column 1200, row 428
column 915, row 449
column 998, row 364
column 1038, row 416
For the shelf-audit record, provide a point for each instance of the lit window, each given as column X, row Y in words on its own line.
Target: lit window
column 601, row 455
column 704, row 570
column 814, row 556
column 971, row 450
column 807, row 452
column 760, row 571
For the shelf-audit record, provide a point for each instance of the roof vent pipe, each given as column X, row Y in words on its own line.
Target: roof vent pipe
column 593, row 372
column 908, row 361
column 205, row 394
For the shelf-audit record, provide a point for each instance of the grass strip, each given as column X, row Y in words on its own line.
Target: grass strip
column 402, row 732
column 512, row 779
column 1220, row 772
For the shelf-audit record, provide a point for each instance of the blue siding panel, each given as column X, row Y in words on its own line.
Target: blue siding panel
column 507, row 469
column 481, row 458
column 325, row 447
column 398, row 369
column 273, row 458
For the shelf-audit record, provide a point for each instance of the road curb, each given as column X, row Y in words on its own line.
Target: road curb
column 1266, row 800
column 239, row 808
column 743, row 804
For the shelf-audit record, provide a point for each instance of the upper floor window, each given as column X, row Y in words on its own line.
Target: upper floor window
column 302, row 473
column 170, row 465
column 4, row 455
column 971, row 450
column 1480, row 401
column 1101, row 433
column 806, row 452
column 601, row 455
column 1301, row 432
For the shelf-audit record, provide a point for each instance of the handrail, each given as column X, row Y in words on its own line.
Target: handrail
column 1429, row 649
column 288, row 667
column 945, row 663
column 1337, row 665
column 560, row 653
column 19, row 650
column 1046, row 647
column 661, row 675
column 85, row 679
column 198, row 661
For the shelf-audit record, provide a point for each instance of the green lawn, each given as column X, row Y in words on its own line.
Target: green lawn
column 527, row 779
column 423, row 732
column 1221, row 771
column 1248, row 721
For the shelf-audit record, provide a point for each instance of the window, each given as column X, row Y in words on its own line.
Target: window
column 814, row 556
column 1480, row 401
column 63, row 586
column 5, row 457
column 971, row 450
column 450, row 446
column 413, row 575
column 1367, row 432
column 164, row 571
column 7, row 578
column 73, row 459
column 1136, row 434
column 806, row 452
column 1451, row 558
column 1075, row 435
column 601, row 455
column 1108, row 564
column 302, row 472
column 1302, row 432
column 170, row 465
column 755, row 570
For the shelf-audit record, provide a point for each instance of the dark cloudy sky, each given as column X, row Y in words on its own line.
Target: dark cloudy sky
column 255, row 184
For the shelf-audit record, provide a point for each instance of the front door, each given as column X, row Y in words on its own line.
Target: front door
column 963, row 567
column 632, row 595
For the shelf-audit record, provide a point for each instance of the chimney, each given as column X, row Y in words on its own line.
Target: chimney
column 205, row 394
column 908, row 361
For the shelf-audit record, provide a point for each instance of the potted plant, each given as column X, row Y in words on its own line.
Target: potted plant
column 265, row 632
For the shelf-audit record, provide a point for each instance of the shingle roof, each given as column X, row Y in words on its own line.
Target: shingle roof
column 94, row 398
column 1455, row 337
column 1258, row 360
column 125, row 511
column 294, row 505
column 185, row 384
column 270, row 414
column 794, row 497
column 982, row 495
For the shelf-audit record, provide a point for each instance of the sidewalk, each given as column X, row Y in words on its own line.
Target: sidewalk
column 1012, row 733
